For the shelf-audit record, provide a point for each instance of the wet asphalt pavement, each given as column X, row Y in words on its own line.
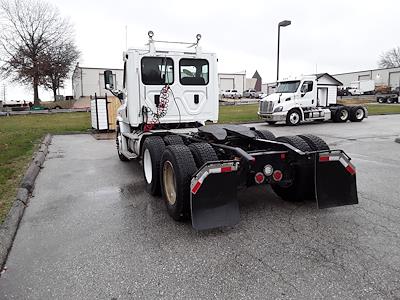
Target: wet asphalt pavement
column 92, row 232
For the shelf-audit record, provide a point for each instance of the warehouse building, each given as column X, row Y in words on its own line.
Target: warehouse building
column 232, row 81
column 389, row 76
column 238, row 81
column 89, row 81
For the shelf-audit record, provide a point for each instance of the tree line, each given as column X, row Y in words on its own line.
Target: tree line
column 37, row 45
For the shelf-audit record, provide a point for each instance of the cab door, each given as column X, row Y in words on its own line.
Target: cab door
column 193, row 85
column 307, row 95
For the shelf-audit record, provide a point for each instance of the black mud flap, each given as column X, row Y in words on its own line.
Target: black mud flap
column 213, row 200
column 335, row 180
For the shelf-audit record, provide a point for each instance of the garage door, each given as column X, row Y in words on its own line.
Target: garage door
column 226, row 84
column 394, row 79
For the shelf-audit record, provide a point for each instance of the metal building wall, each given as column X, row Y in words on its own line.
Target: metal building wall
column 390, row 76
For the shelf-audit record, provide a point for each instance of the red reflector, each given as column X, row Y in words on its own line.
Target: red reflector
column 324, row 158
column 259, row 178
column 226, row 169
column 277, row 175
column 196, row 187
column 351, row 170
column 283, row 155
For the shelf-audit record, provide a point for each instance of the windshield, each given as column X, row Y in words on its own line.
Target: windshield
column 288, row 87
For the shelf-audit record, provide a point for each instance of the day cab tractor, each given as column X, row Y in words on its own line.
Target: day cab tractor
column 308, row 98
column 168, row 97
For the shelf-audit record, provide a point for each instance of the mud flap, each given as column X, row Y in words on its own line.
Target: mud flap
column 213, row 200
column 335, row 180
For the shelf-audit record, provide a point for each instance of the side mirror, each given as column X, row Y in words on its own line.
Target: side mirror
column 108, row 80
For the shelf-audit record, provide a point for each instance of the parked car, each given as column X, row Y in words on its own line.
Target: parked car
column 250, row 94
column 262, row 95
column 233, row 94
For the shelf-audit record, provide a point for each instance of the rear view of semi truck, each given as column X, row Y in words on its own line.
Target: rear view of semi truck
column 167, row 99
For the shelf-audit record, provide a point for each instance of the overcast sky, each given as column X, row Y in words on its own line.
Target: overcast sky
column 325, row 36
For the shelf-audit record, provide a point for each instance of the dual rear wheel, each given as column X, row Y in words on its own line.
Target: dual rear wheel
column 302, row 187
column 168, row 170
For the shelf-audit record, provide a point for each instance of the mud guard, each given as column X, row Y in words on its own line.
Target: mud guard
column 335, row 180
column 213, row 200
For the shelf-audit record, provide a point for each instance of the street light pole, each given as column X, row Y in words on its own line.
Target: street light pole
column 281, row 24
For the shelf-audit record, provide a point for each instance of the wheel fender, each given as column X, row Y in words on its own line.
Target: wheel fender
column 123, row 127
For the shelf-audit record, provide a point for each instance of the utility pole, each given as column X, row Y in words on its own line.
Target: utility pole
column 281, row 24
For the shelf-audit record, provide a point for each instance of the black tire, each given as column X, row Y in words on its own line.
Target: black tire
column 295, row 141
column 202, row 153
column 154, row 147
column 303, row 185
column 341, row 115
column 293, row 117
column 380, row 100
column 173, row 139
column 389, row 100
column 271, row 122
column 315, row 142
column 357, row 114
column 265, row 134
column 120, row 155
column 180, row 159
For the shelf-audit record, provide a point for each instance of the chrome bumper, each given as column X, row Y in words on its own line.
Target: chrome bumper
column 275, row 117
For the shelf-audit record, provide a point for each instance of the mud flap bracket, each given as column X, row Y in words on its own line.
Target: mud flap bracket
column 335, row 180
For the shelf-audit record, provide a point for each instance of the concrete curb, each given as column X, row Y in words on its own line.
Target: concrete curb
column 10, row 225
column 397, row 140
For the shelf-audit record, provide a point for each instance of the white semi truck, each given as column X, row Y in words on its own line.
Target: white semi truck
column 309, row 98
column 167, row 98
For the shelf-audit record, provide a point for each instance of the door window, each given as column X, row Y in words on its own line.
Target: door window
column 307, row 87
column 193, row 71
column 157, row 70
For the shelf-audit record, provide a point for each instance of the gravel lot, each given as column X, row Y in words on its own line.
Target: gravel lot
column 91, row 231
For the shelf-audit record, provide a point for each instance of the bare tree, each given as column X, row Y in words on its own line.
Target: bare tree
column 58, row 61
column 390, row 59
column 29, row 28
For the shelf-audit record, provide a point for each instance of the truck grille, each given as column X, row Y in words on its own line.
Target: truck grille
column 266, row 107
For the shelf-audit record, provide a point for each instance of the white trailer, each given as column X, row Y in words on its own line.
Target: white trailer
column 168, row 97
column 362, row 87
column 309, row 98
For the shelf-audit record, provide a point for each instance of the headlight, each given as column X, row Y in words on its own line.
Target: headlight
column 278, row 109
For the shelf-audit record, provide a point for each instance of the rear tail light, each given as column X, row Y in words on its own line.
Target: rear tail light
column 259, row 178
column 277, row 175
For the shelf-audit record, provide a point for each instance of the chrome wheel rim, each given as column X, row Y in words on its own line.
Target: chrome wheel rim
column 147, row 166
column 169, row 182
column 344, row 114
column 294, row 118
column 359, row 114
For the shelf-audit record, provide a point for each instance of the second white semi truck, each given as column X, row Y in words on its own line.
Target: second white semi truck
column 309, row 98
